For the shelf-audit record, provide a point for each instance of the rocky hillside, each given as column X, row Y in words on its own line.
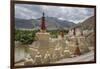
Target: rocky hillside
column 88, row 24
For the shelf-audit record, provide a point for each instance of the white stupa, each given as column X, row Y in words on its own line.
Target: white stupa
column 42, row 43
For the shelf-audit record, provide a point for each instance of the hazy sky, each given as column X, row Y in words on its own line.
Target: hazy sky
column 74, row 14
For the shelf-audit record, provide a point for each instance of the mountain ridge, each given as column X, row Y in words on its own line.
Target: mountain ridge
column 51, row 23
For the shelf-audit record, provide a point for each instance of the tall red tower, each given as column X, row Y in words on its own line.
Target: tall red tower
column 43, row 27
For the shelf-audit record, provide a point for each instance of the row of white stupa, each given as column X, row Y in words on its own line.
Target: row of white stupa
column 74, row 43
column 74, row 36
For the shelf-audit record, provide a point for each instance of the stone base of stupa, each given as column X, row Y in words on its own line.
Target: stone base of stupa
column 42, row 36
column 55, row 47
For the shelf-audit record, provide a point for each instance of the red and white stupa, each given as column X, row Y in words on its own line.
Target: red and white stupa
column 43, row 35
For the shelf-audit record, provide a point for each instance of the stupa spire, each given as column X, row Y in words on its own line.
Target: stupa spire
column 43, row 27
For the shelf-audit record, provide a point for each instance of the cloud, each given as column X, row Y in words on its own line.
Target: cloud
column 74, row 14
column 27, row 11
